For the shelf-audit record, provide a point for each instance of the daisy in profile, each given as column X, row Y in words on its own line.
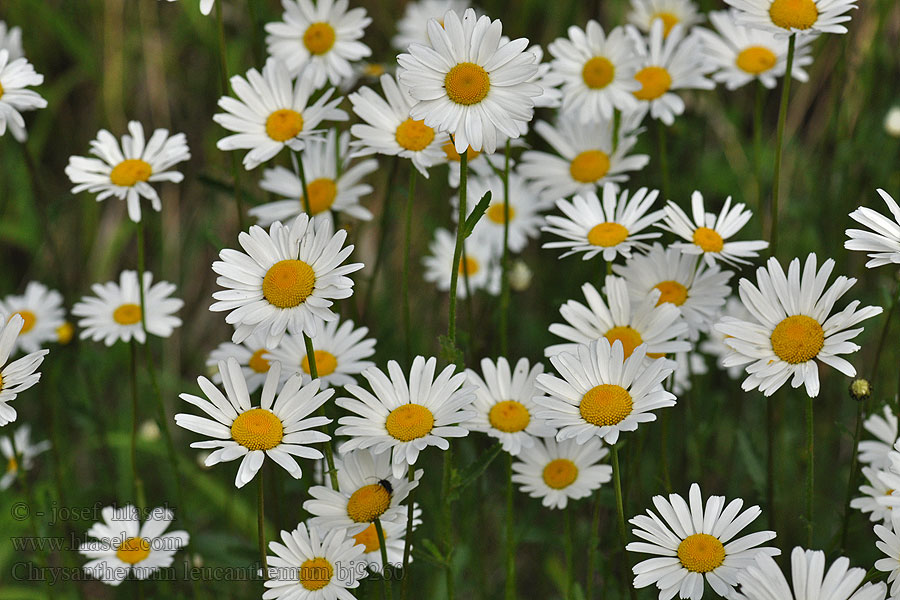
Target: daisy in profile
column 285, row 280
column 670, row 12
column 693, row 544
column 412, row 28
column 668, row 63
column 875, row 453
column 42, row 309
column 801, row 17
column 707, row 233
column 319, row 39
column 251, row 354
column 741, row 54
column 279, row 428
column 793, row 326
column 16, row 76
column 21, row 456
column 504, row 403
column 18, row 375
column 874, row 491
column 469, row 83
column 480, row 263
column 340, row 353
column 312, row 565
column 403, row 416
column 586, row 157
column 715, row 342
column 659, row 326
column 609, row 228
column 763, row 579
column 123, row 546
column 11, row 40
column 557, row 472
column 389, row 130
column 882, row 240
column 394, row 541
column 602, row 393
column 114, row 313
column 597, row 72
column 334, row 185
column 271, row 112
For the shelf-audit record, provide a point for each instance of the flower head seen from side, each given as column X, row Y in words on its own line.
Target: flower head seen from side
column 123, row 546
column 480, row 263
column 18, row 454
column 882, row 239
column 394, row 540
column 876, row 453
column 557, row 472
column 874, row 491
column 794, row 326
column 469, row 83
column 272, row 111
column 125, row 170
column 43, row 312
column 251, row 354
column 405, row 416
column 889, row 543
column 16, row 76
column 670, row 12
column 285, row 280
column 11, row 40
column 19, row 375
column 280, row 427
column 412, row 28
column 114, row 313
column 800, row 17
column 696, row 543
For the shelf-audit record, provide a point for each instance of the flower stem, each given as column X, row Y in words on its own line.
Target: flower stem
column 570, row 566
column 771, row 429
column 663, row 157
column 314, row 374
column 620, row 508
column 510, row 590
column 779, row 146
column 854, row 465
column 388, row 593
column 757, row 139
column 446, row 520
column 261, row 524
column 382, row 232
column 504, row 265
column 136, row 479
column 297, row 163
column 223, row 71
column 457, row 250
column 810, row 469
column 407, row 544
column 592, row 551
column 407, row 321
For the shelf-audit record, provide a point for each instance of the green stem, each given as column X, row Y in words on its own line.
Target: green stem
column 876, row 363
column 407, row 543
column 136, row 479
column 757, row 139
column 623, row 535
column 261, row 525
column 32, row 503
column 383, row 228
column 504, row 265
column 388, row 593
column 297, row 163
column 593, row 542
column 457, row 250
column 779, row 146
column 771, row 429
column 663, row 157
column 446, row 520
column 141, row 269
column 407, row 319
column 854, row 464
column 510, row 590
column 314, row 374
column 810, row 469
column 570, row 566
column 223, row 71
column 664, row 449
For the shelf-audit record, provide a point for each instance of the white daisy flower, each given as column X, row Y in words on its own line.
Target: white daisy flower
column 763, row 580
column 687, row 364
column 889, row 480
column 271, row 112
column 331, row 189
column 319, row 41
column 312, row 565
column 252, row 355
column 480, row 262
column 548, row 80
column 801, row 17
column 394, row 541
column 597, row 72
column 405, row 418
column 115, row 312
column 389, row 130
column 206, row 6
column 658, row 325
column 792, row 326
column 279, row 428
column 16, row 75
column 602, row 393
column 889, row 543
column 707, row 233
column 668, row 63
column 340, row 352
column 412, row 28
column 42, row 309
column 670, row 12
column 715, row 343
column 18, row 375
column 875, row 490
column 557, row 472
column 123, row 546
column 470, row 84
column 504, row 403
column 693, row 544
column 11, row 40
column 285, row 280
column 697, row 289
column 20, row 457
column 875, row 453
column 883, row 241
column 739, row 55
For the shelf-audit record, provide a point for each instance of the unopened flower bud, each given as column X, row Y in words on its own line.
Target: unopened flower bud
column 860, row 390
column 519, row 276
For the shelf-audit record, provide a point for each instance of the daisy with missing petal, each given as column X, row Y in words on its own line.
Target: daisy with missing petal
column 319, row 40
column 557, row 472
column 285, row 280
column 504, row 403
column 694, row 543
column 670, row 12
column 271, row 112
column 480, row 263
column 801, row 17
column 252, row 356
column 115, row 312
column 406, row 416
column 42, row 309
column 470, row 83
column 334, row 185
column 874, row 491
column 882, row 242
column 876, row 452
column 123, row 546
column 18, row 375
column 11, row 40
column 394, row 541
column 21, row 456
column 279, row 428
column 659, row 326
column 16, row 75
column 707, row 233
column 412, row 28
column 793, row 326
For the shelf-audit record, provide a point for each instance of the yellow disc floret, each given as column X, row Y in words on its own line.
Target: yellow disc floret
column 65, row 333
column 589, row 166
column 326, row 363
column 133, row 550
column 598, row 72
column 258, row 362
column 509, row 416
column 414, row 135
column 368, row 503
column 468, row 265
column 257, row 429
column 467, row 83
column 284, row 124
column 322, row 193
column 453, row 156
column 560, row 473
column 701, row 553
column 495, row 213
column 130, row 171
column 30, row 319
column 672, row 291
column 798, row 339
column 607, row 234
column 319, row 38
column 629, row 337
column 288, row 283
column 127, row 314
column 316, row 573
column 708, row 239
column 669, row 21
column 409, row 422
column 605, row 405
column 756, row 60
column 368, row 537
column 794, row 14
column 655, row 82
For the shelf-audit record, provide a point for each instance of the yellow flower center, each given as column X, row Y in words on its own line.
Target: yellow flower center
column 756, row 60
column 319, row 38
column 284, row 124
column 368, row 537
column 368, row 503
column 316, row 573
column 669, row 21
column 629, row 337
column 12, row 466
column 701, row 553
column 127, row 314
column 598, row 72
column 322, row 193
column 1, row 90
column 374, row 70
column 708, row 239
column 414, row 135
column 133, row 550
column 509, row 416
column 560, row 473
column 794, row 14
column 467, row 84
column 258, row 363
column 797, row 339
column 326, row 363
column 130, row 171
column 468, row 265
column 605, row 404
column 288, row 283
column 495, row 213
column 589, row 166
column 409, row 422
column 607, row 235
column 672, row 291
column 655, row 82
column 257, row 429
column 65, row 333
column 30, row 319
column 453, row 156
